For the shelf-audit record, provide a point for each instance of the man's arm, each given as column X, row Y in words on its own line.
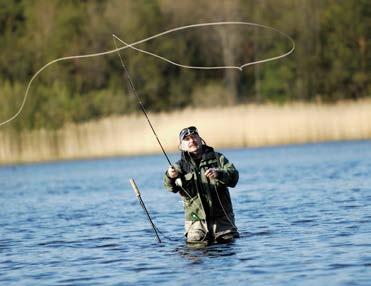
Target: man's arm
column 169, row 180
column 227, row 172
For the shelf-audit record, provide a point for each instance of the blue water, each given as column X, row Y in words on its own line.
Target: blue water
column 304, row 214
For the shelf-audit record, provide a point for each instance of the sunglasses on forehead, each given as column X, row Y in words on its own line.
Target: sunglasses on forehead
column 187, row 131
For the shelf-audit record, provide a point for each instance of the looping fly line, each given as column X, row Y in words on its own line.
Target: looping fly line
column 133, row 46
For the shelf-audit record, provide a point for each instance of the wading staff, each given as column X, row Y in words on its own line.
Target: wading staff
column 136, row 190
column 139, row 100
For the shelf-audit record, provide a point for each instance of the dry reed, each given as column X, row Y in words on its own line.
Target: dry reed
column 239, row 126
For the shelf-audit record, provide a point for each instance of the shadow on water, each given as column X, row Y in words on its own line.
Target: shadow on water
column 197, row 253
column 258, row 233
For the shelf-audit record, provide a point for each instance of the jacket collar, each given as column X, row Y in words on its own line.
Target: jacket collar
column 207, row 153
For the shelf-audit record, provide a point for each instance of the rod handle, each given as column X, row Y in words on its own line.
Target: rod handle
column 134, row 186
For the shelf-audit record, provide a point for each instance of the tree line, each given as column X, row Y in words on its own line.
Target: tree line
column 330, row 63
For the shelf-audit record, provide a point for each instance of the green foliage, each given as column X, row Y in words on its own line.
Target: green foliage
column 345, row 63
column 330, row 61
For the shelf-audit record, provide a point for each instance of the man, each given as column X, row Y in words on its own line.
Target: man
column 202, row 178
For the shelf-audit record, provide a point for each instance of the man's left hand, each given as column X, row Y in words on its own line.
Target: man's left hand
column 211, row 173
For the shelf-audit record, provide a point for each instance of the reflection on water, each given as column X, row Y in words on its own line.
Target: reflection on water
column 303, row 214
column 196, row 253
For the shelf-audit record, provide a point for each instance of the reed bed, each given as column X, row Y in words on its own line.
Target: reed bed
column 223, row 127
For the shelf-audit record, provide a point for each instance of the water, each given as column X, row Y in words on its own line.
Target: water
column 303, row 212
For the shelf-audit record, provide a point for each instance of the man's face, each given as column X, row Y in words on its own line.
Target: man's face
column 191, row 143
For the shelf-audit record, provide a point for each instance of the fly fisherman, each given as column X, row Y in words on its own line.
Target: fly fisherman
column 202, row 177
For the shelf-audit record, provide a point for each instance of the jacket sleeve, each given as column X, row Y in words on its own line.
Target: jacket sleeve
column 169, row 183
column 227, row 172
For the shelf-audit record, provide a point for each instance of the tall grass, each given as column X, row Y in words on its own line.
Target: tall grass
column 239, row 126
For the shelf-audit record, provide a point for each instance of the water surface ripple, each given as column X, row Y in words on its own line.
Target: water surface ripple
column 303, row 212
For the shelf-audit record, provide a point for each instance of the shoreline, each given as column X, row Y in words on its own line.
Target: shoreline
column 56, row 161
column 240, row 126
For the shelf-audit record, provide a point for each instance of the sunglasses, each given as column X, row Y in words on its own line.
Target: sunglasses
column 187, row 131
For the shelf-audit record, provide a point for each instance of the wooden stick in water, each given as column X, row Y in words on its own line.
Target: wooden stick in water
column 136, row 190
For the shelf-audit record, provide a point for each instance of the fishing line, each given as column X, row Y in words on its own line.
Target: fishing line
column 139, row 100
column 133, row 46
column 220, row 202
column 167, row 237
column 214, row 67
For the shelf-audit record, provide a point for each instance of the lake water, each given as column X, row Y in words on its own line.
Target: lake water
column 303, row 212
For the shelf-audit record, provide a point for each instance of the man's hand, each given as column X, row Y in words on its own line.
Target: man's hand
column 211, row 173
column 172, row 173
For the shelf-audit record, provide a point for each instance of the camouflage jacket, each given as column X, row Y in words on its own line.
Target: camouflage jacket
column 199, row 192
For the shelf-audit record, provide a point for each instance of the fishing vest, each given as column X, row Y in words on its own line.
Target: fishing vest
column 205, row 198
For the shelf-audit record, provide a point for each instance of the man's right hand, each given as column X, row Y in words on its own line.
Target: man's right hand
column 172, row 173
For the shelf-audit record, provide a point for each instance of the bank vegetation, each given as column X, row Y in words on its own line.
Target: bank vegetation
column 330, row 62
column 223, row 127
column 85, row 108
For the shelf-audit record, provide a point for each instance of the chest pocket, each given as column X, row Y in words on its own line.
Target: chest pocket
column 189, row 184
column 205, row 165
column 211, row 163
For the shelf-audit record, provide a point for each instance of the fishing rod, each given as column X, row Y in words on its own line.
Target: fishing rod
column 132, row 182
column 140, row 101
